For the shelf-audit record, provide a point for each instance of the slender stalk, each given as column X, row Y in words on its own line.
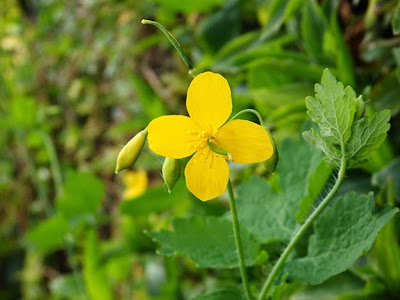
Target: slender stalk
column 75, row 269
column 238, row 241
column 175, row 43
column 249, row 110
column 54, row 164
column 40, row 187
column 300, row 232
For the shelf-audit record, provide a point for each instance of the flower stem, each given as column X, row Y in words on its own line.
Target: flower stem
column 54, row 163
column 301, row 231
column 249, row 110
column 238, row 241
column 175, row 43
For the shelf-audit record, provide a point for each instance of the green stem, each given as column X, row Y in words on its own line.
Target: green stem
column 54, row 164
column 238, row 241
column 69, row 245
column 40, row 187
column 249, row 110
column 301, row 231
column 174, row 43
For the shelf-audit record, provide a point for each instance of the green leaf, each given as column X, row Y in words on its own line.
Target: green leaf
column 334, row 288
column 94, row 276
column 153, row 106
column 313, row 25
column 396, row 21
column 332, row 109
column 367, row 136
column 335, row 45
column 221, row 27
column 385, row 93
column 82, row 196
column 189, row 6
column 221, row 294
column 209, row 242
column 23, row 112
column 270, row 215
column 156, row 199
column 49, row 234
column 343, row 232
column 313, row 188
column 333, row 155
column 247, row 50
column 269, row 100
column 236, row 46
column 385, row 255
column 67, row 287
column 278, row 12
column 392, row 172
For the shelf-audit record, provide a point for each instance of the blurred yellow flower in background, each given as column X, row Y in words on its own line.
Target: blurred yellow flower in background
column 207, row 134
column 136, row 183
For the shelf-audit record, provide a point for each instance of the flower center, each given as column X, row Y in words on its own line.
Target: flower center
column 201, row 139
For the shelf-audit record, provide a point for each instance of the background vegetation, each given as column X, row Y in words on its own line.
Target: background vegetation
column 79, row 78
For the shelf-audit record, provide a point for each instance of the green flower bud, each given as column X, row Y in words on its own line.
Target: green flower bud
column 360, row 108
column 131, row 151
column 271, row 163
column 171, row 171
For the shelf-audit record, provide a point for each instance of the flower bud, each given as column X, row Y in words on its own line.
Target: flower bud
column 271, row 163
column 360, row 108
column 131, row 151
column 171, row 171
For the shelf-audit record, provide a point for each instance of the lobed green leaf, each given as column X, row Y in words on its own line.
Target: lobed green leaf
column 49, row 235
column 340, row 136
column 343, row 232
column 83, row 194
column 333, row 155
column 367, row 136
column 209, row 242
column 332, row 109
column 270, row 215
column 155, row 200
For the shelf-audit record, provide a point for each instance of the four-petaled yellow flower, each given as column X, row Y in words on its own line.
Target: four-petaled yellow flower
column 209, row 105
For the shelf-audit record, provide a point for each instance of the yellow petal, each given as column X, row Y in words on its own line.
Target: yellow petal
column 136, row 183
column 207, row 175
column 209, row 101
column 170, row 136
column 246, row 141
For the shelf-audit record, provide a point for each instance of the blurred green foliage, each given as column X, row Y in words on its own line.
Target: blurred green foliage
column 79, row 78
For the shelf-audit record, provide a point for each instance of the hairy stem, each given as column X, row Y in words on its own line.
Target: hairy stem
column 238, row 241
column 300, row 232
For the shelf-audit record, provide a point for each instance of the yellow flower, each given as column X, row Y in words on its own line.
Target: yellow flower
column 209, row 105
column 136, row 184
